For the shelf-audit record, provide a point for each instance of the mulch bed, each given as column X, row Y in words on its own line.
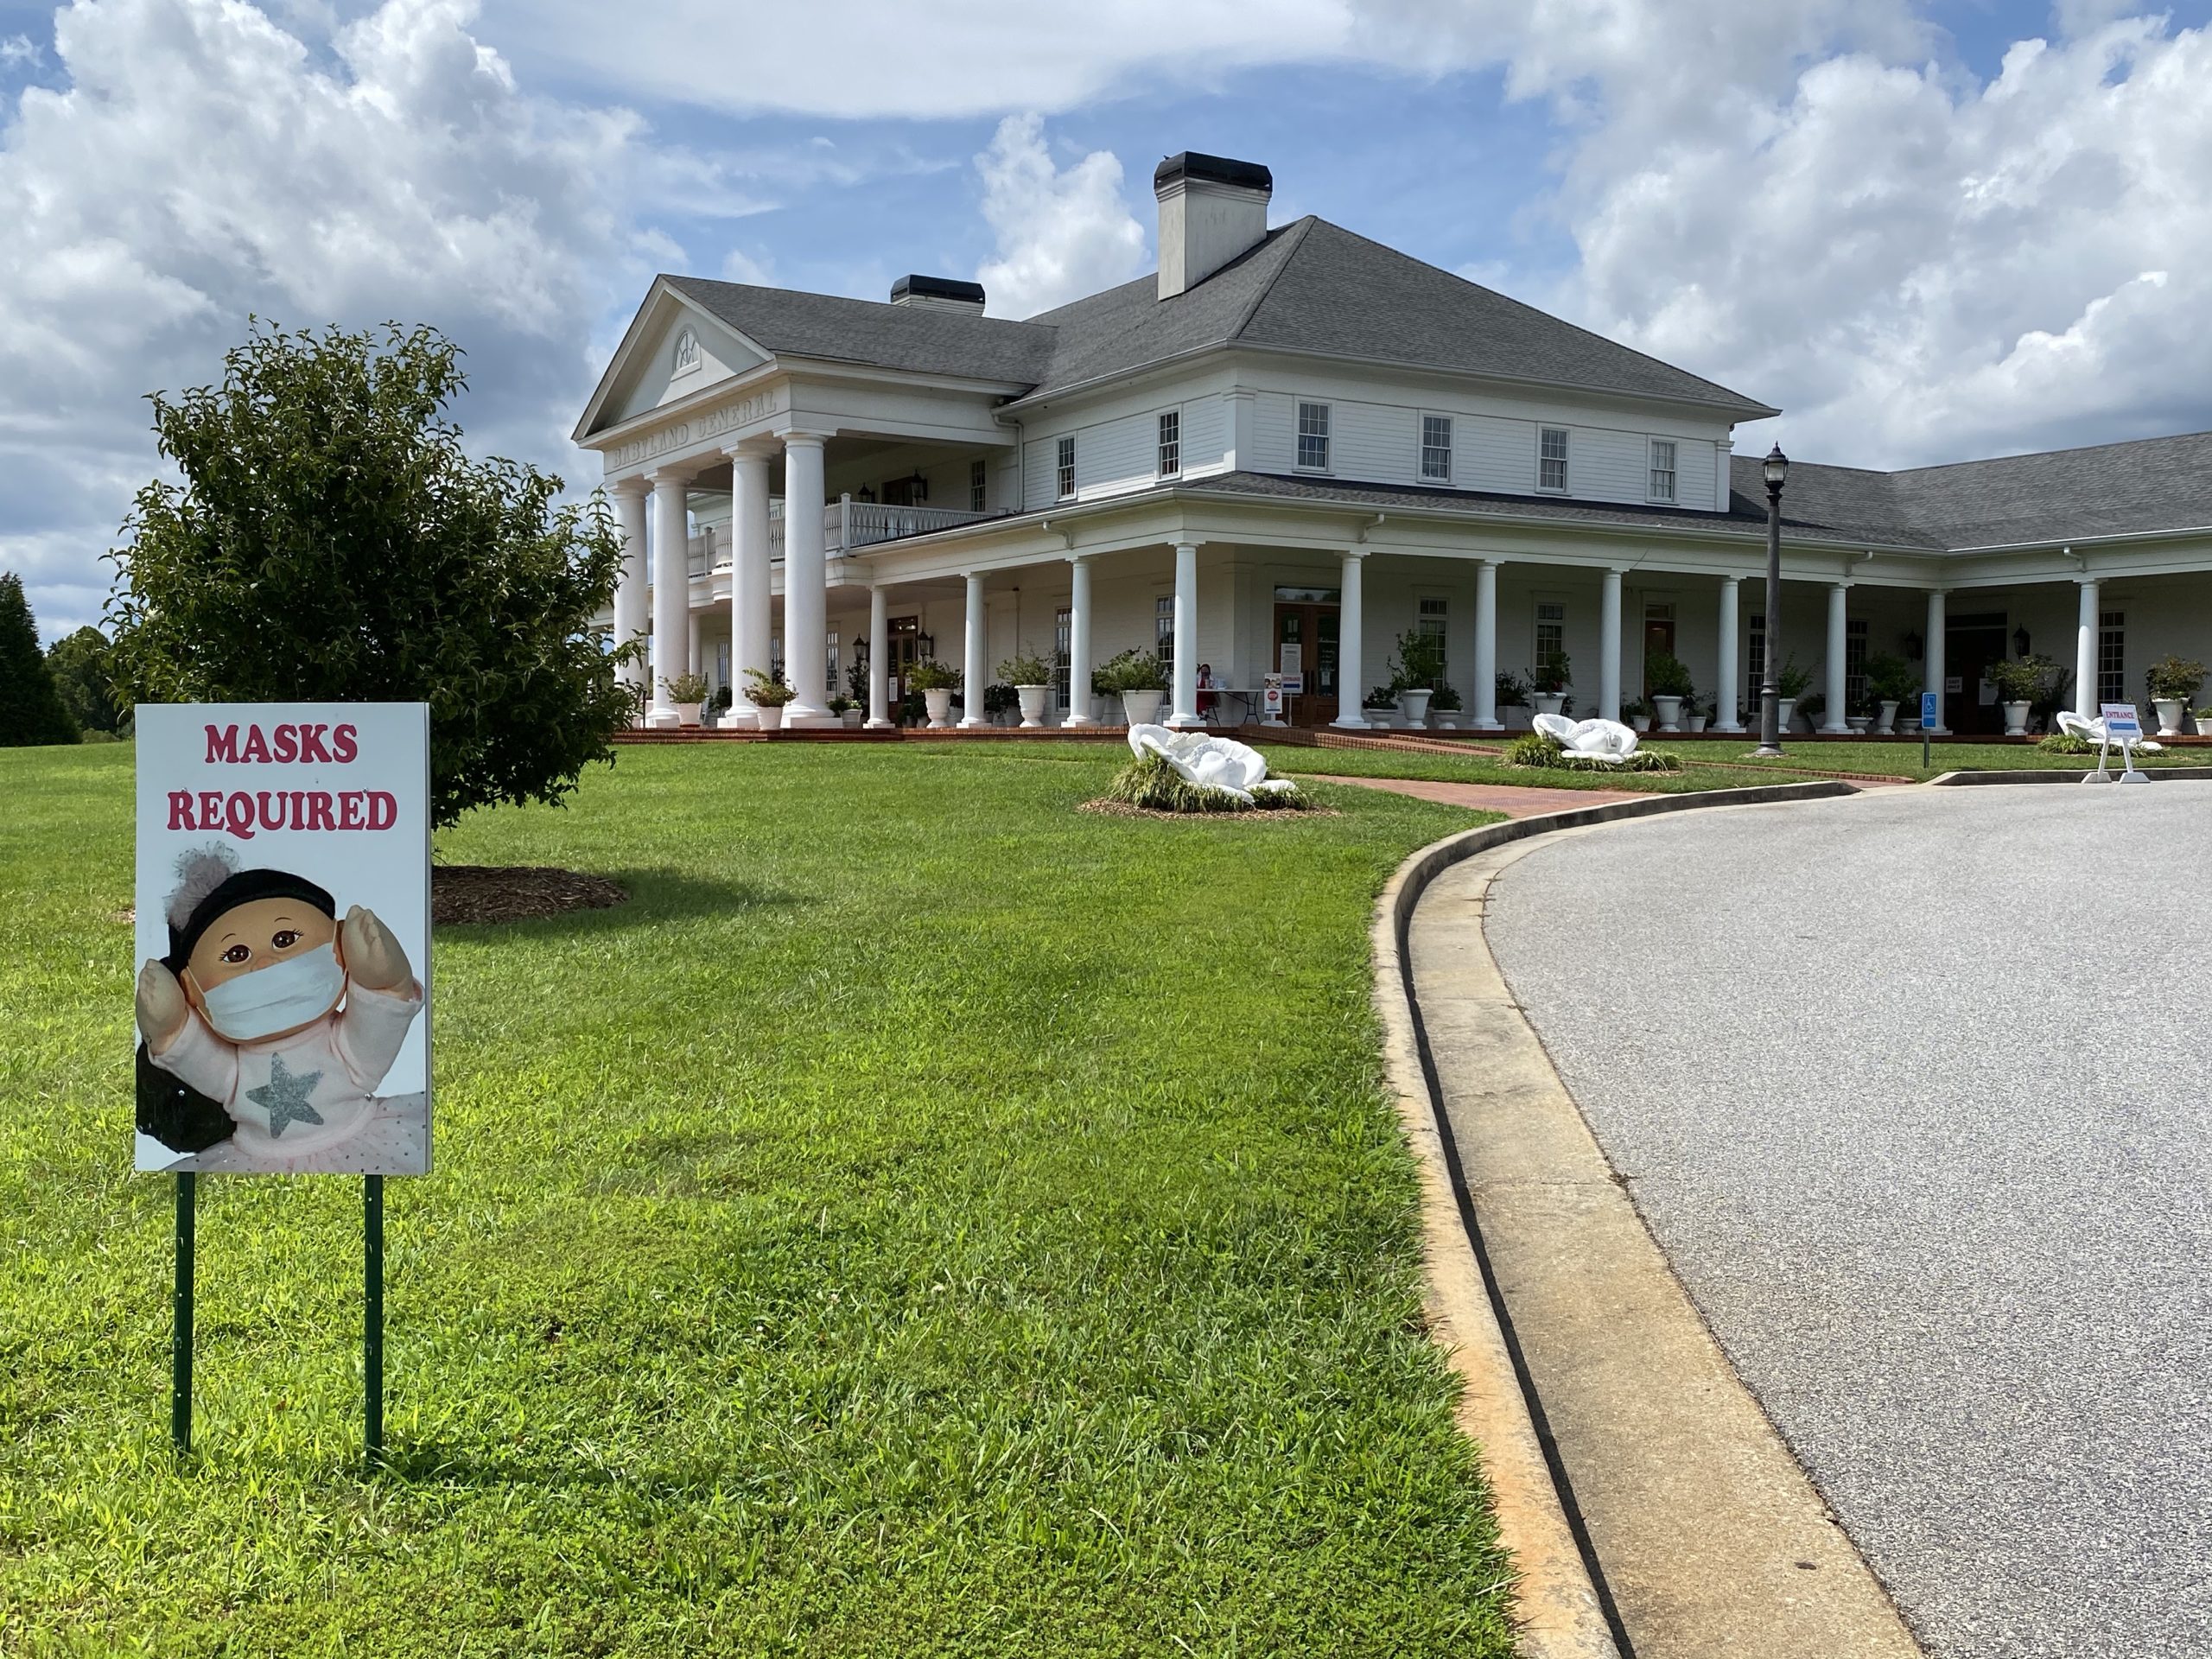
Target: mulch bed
column 497, row 893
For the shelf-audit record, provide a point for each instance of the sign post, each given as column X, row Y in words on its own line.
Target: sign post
column 2123, row 726
column 282, row 998
column 1271, row 699
column 1930, row 717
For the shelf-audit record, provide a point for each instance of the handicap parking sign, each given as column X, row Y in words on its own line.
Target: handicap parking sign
column 1928, row 714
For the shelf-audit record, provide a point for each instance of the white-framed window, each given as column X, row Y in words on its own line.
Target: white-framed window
column 1063, row 648
column 1436, row 448
column 1755, row 675
column 1551, row 628
column 1434, row 613
column 1163, row 628
column 829, row 648
column 1314, row 437
column 1854, row 663
column 687, row 351
column 979, row 484
column 1171, row 443
column 1662, row 469
column 2112, row 656
column 1551, row 458
column 1064, row 469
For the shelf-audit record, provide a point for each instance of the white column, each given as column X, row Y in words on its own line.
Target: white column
column 1350, row 672
column 1725, row 688
column 2085, row 651
column 672, row 591
column 1079, row 642
column 972, row 671
column 1839, row 643
column 1184, row 706
column 631, row 589
column 1609, row 647
column 1932, row 659
column 879, row 659
column 691, row 657
column 806, row 598
column 1486, row 647
column 750, row 623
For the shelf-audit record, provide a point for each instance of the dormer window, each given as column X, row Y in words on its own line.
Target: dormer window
column 687, row 351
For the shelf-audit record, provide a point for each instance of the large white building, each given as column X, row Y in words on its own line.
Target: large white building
column 1289, row 448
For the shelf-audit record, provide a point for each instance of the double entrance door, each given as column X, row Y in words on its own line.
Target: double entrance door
column 1306, row 620
column 1971, row 643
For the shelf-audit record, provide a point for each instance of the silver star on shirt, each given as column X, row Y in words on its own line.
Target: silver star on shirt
column 285, row 1096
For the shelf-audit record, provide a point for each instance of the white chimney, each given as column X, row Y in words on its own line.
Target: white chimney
column 938, row 294
column 1211, row 209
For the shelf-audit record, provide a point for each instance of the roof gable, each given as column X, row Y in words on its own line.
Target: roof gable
column 917, row 339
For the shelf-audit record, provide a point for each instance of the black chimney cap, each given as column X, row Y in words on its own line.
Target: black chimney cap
column 1218, row 169
column 937, row 288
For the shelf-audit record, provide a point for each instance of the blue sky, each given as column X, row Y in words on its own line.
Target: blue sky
column 1923, row 235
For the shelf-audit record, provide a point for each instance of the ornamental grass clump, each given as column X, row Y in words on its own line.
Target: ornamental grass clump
column 1149, row 783
column 1540, row 752
column 2067, row 743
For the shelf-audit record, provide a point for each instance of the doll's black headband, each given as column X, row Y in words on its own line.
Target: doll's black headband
column 243, row 889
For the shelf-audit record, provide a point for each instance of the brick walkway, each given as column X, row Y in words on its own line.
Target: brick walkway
column 1515, row 803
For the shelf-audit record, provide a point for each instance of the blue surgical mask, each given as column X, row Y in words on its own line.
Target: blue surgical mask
column 283, row 995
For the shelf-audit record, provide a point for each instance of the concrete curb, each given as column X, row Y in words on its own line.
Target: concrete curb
column 1562, row 1613
column 2066, row 775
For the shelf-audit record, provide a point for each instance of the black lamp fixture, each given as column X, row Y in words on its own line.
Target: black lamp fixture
column 925, row 647
column 1912, row 646
column 1774, row 469
column 2020, row 641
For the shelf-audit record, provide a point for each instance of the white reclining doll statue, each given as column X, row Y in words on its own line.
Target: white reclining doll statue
column 1606, row 742
column 1219, row 763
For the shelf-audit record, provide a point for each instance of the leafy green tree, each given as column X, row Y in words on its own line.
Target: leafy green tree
column 31, row 710
column 332, row 541
column 78, row 663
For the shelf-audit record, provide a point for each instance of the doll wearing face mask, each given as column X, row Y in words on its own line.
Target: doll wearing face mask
column 286, row 1017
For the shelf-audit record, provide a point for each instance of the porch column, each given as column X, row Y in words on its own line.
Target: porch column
column 1350, row 672
column 1485, row 686
column 696, row 664
column 1079, row 641
column 1609, row 648
column 671, row 590
column 1185, row 707
column 806, row 600
column 1932, row 660
column 972, row 671
column 1839, row 638
column 2085, row 651
column 1725, row 698
column 750, row 623
column 879, row 659
column 631, row 589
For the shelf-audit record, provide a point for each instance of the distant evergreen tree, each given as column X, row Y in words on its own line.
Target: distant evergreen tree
column 78, row 663
column 31, row 710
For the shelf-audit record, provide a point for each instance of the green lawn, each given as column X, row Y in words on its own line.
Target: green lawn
column 1902, row 759
column 927, row 1220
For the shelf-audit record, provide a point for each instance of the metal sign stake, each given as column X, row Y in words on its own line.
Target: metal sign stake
column 180, row 1342
column 372, row 1316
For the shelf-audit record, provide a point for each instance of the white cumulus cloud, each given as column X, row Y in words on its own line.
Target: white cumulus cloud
column 1062, row 232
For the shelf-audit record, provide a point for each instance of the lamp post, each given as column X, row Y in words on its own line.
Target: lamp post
column 1776, row 469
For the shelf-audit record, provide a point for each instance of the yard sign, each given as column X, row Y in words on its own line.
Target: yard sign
column 283, row 950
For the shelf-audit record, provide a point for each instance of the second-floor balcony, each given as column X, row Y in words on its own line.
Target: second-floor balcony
column 846, row 524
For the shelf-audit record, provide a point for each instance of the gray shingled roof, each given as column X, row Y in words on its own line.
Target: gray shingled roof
column 921, row 340
column 1312, row 286
column 2110, row 489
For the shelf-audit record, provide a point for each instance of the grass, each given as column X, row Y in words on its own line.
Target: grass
column 1902, row 759
column 1292, row 761
column 926, row 1220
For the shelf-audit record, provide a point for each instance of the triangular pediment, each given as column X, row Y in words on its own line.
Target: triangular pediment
column 672, row 349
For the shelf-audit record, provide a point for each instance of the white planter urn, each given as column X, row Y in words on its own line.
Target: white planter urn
column 1909, row 726
column 1694, row 723
column 1141, row 708
column 1857, row 722
column 1033, row 704
column 770, row 714
column 852, row 718
column 1380, row 719
column 2169, row 714
column 1783, row 708
column 1887, row 720
column 1639, row 722
column 1413, row 704
column 938, row 701
column 1447, row 721
column 687, row 713
column 1548, row 703
column 1667, row 712
column 2204, row 724
column 2016, row 719
column 1515, row 717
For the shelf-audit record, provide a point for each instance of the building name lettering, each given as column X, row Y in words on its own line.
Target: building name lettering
column 683, row 433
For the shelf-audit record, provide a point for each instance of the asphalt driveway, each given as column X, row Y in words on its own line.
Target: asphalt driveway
column 1911, row 1090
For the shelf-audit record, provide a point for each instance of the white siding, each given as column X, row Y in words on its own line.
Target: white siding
column 1205, row 435
column 1275, row 423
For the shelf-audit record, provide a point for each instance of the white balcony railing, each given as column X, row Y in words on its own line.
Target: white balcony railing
column 846, row 524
